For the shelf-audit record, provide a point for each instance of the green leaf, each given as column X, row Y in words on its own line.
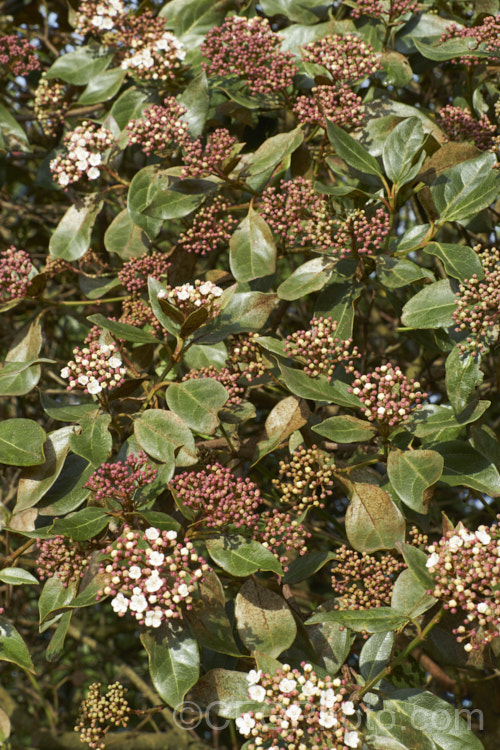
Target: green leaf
column 246, row 311
column 409, row 596
column 94, row 442
column 311, row 276
column 346, row 429
column 63, row 409
column 452, row 48
column 375, row 654
column 412, row 473
column 416, row 560
column 71, row 238
column 68, row 491
column 466, row 188
column 305, row 566
column 14, row 134
column 332, row 643
column 459, row 261
column 272, row 152
column 252, row 252
column 295, row 10
column 56, row 645
column 123, row 330
column 209, row 620
column 463, row 465
column 432, row 307
column 174, row 661
column 351, row 151
column 102, row 87
column 394, row 273
column 462, row 376
column 17, row 577
column 397, row 69
column 124, row 238
column 128, row 106
column 197, row 403
column 240, row 556
column 161, row 433
column 402, row 148
column 264, row 620
column 81, row 66
column 337, row 301
column 176, row 198
column 439, row 422
column 228, row 690
column 54, row 597
column 21, row 442
column 19, row 378
column 378, row 620
column 318, row 389
column 372, row 520
column 13, row 648
column 192, row 19
column 287, row 416
column 196, row 99
column 82, row 525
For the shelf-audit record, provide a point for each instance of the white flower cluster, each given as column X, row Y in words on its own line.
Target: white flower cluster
column 106, row 13
column 94, row 368
column 156, row 57
column 189, row 297
column 85, row 146
column 453, row 543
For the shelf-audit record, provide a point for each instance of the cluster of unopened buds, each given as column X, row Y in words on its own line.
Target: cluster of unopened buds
column 15, row 265
column 211, row 229
column 94, row 16
column 61, row 558
column 246, row 351
column 300, row 710
column 339, row 104
column 387, row 395
column 120, row 480
column 215, row 158
column 250, row 50
column 360, row 235
column 190, row 297
column 137, row 312
column 321, row 348
column 151, row 575
column 99, row 712
column 478, row 304
column 305, row 478
column 160, row 128
column 460, row 125
column 486, row 33
column 151, row 52
column 18, row 55
column 135, row 272
column 466, row 566
column 282, row 534
column 225, row 376
column 363, row 581
column 94, row 368
column 85, row 146
column 387, row 12
column 50, row 104
column 347, row 58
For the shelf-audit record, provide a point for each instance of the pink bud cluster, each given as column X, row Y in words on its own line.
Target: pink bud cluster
column 321, row 349
column 339, row 104
column 211, row 229
column 362, row 580
column 300, row 710
column 135, row 272
column 305, row 478
column 283, row 535
column 160, row 128
column 15, row 265
column 360, row 235
column 85, row 146
column 218, row 497
column 97, row 713
column 151, row 53
column 61, row 558
column 95, row 16
column 95, row 368
column 389, row 14
column 460, row 125
column 250, row 50
column 137, row 312
column 120, row 480
column 466, row 566
column 478, row 304
column 347, row 58
column 50, row 105
column 152, row 575
column 190, row 297
column 215, row 158
column 245, row 350
column 18, row 55
column 225, row 376
column 487, row 33
column 387, row 395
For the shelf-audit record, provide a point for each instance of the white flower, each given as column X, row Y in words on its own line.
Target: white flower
column 156, row 558
column 135, row 572
column 257, row 693
column 171, row 535
column 483, row 536
column 183, row 590
column 351, row 739
column 97, row 21
column 180, row 54
column 138, row 601
column 253, row 677
column 94, row 160
column 327, row 698
column 294, row 712
column 119, row 604
column 454, row 543
column 93, row 173
column 327, row 719
column 162, row 293
column 81, row 154
column 114, row 362
column 107, row 23
column 65, row 372
column 381, row 410
column 286, row 685
column 154, row 582
column 184, row 292
column 82, row 165
column 94, row 387
column 309, row 689
column 153, row 618
column 482, row 608
column 63, row 179
column 152, row 533
column 432, row 561
column 245, row 724
column 348, row 708
column 83, row 379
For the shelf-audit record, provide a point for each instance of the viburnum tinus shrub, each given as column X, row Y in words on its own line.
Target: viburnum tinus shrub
column 250, row 294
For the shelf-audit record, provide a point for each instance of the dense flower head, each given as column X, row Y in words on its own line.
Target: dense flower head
column 339, row 104
column 478, row 304
column 218, row 496
column 96, row 16
column 190, row 297
column 84, row 146
column 347, row 58
column 387, row 395
column 152, row 575
column 135, row 272
column 95, row 368
column 392, row 10
column 245, row 351
column 225, row 376
column 63, row 558
column 361, row 235
column 321, row 349
column 487, row 33
column 50, row 105
column 18, row 55
column 160, row 129
column 466, row 566
column 460, row 125
column 305, row 478
column 137, row 312
column 300, row 710
column 97, row 713
column 249, row 49
column 120, row 480
column 151, row 53
column 15, row 265
column 211, row 228
column 362, row 580
column 214, row 158
column 283, row 535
